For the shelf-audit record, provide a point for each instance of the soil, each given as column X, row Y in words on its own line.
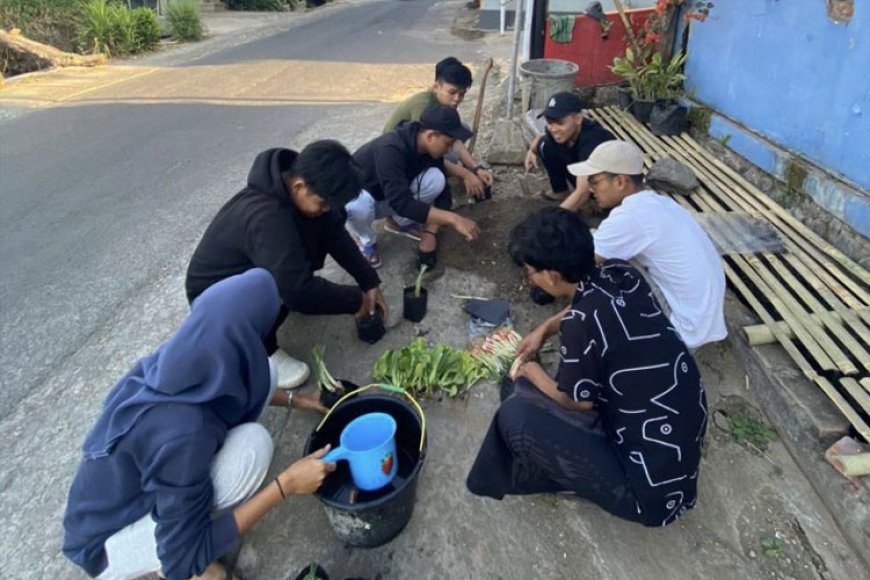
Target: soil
column 487, row 256
column 513, row 199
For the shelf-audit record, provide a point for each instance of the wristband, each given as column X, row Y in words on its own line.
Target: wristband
column 479, row 167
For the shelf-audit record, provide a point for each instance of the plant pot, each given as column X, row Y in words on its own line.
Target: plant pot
column 540, row 297
column 624, row 99
column 642, row 110
column 668, row 118
column 328, row 399
column 371, row 329
column 414, row 307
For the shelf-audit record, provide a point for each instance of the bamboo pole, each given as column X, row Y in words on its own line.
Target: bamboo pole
column 759, row 334
column 782, row 215
column 861, row 398
column 853, row 465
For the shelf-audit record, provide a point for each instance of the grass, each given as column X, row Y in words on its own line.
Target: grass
column 750, row 432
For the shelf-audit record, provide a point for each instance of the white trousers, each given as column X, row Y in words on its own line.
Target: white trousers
column 364, row 210
column 237, row 471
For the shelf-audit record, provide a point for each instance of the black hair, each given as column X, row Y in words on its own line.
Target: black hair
column 328, row 169
column 451, row 70
column 636, row 180
column 554, row 239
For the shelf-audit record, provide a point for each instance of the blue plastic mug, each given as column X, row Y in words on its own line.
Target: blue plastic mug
column 368, row 444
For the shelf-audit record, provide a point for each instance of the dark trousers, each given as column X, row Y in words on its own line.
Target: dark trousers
column 535, row 446
column 556, row 158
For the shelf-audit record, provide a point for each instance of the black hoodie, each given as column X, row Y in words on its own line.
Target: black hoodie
column 260, row 227
column 390, row 162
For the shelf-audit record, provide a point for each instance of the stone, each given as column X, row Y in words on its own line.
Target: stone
column 508, row 145
column 672, row 176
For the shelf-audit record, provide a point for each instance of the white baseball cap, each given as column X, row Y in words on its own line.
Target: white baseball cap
column 616, row 157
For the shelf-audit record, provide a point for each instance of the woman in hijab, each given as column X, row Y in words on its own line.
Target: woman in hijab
column 176, row 452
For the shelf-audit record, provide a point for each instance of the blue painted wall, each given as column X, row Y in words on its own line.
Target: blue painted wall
column 783, row 69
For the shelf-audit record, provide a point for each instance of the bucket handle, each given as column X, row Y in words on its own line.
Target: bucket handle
column 384, row 387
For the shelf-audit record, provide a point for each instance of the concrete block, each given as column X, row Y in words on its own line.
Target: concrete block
column 508, row 145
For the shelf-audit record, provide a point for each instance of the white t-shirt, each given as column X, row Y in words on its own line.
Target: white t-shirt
column 661, row 236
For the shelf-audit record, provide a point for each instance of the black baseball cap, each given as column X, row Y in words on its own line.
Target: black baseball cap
column 562, row 104
column 445, row 120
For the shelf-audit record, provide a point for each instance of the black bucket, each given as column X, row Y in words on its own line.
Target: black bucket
column 371, row 519
column 414, row 307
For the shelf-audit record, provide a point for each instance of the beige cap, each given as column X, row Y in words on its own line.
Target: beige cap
column 616, row 157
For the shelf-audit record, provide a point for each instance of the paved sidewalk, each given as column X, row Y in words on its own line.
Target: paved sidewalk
column 744, row 498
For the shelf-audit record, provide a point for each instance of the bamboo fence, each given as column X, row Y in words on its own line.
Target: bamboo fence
column 811, row 298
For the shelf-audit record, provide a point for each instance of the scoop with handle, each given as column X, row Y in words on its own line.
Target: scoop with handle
column 368, row 444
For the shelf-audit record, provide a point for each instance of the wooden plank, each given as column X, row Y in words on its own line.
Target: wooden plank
column 853, row 388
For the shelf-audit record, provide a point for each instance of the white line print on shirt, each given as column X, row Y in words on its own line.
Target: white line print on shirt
column 637, row 457
column 665, row 429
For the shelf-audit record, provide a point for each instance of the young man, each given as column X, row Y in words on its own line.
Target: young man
column 287, row 220
column 661, row 237
column 623, row 421
column 452, row 80
column 402, row 179
column 568, row 138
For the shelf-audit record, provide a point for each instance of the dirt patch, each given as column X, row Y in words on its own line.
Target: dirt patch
column 487, row 256
column 774, row 539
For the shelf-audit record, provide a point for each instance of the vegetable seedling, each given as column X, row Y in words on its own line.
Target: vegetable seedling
column 418, row 283
column 324, row 379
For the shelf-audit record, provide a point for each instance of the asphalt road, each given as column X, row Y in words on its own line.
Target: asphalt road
column 100, row 202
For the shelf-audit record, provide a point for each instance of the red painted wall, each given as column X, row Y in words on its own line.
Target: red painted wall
column 591, row 52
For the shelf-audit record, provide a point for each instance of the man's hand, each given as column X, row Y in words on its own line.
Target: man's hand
column 530, row 344
column 375, row 300
column 485, row 176
column 531, row 161
column 306, row 475
column 371, row 301
column 474, row 186
column 465, row 227
column 578, row 197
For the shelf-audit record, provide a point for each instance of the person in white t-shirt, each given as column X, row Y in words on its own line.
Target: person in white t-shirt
column 653, row 231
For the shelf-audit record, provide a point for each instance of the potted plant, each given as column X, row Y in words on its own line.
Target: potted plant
column 370, row 329
column 331, row 389
column 651, row 69
column 415, row 298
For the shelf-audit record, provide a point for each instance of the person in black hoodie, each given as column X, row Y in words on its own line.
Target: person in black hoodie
column 287, row 220
column 403, row 177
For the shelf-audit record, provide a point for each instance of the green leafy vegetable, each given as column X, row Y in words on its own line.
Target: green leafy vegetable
column 429, row 370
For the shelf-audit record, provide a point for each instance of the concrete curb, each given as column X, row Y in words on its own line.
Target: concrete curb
column 807, row 423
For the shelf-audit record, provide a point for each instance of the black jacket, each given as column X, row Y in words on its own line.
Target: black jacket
column 260, row 227
column 390, row 162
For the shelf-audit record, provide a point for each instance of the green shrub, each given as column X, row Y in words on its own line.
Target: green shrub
column 109, row 27
column 259, row 5
column 185, row 21
column 147, row 29
column 122, row 32
column 95, row 27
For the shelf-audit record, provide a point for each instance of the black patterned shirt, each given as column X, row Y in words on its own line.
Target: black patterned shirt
column 620, row 352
